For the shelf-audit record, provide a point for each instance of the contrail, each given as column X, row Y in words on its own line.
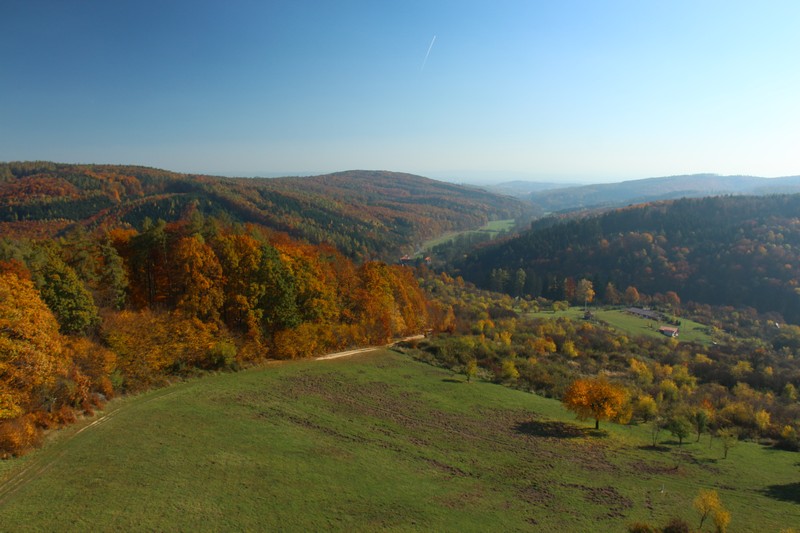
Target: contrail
column 427, row 54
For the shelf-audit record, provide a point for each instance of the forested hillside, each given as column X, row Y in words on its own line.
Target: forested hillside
column 738, row 251
column 364, row 214
column 89, row 315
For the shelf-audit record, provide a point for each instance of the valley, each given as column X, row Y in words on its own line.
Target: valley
column 183, row 344
column 399, row 266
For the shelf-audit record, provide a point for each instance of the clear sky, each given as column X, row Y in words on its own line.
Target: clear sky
column 559, row 90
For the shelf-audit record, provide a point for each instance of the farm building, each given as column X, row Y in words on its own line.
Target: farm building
column 668, row 331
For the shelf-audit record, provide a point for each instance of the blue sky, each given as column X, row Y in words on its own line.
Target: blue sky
column 561, row 90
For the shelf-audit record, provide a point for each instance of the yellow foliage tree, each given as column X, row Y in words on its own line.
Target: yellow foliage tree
column 595, row 398
column 568, row 349
column 30, row 345
column 585, row 292
column 708, row 504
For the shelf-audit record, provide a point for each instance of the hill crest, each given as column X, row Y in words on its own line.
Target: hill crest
column 363, row 213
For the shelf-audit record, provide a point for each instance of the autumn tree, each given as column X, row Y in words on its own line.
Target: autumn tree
column 631, row 296
column 198, row 279
column 645, row 408
column 708, row 504
column 30, row 346
column 240, row 257
column 762, row 418
column 570, row 289
column 673, row 301
column 595, row 398
column 585, row 292
column 471, row 369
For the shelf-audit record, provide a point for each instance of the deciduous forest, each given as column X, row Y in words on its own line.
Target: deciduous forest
column 739, row 251
column 89, row 315
column 363, row 214
column 100, row 298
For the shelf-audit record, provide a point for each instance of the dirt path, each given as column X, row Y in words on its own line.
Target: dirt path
column 365, row 350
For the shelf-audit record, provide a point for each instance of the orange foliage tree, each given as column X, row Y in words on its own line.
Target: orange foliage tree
column 595, row 398
column 198, row 279
column 30, row 346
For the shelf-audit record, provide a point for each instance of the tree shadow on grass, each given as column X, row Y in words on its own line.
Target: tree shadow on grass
column 656, row 448
column 549, row 428
column 453, row 380
column 787, row 493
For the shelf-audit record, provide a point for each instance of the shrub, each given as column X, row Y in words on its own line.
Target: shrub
column 677, row 525
column 19, row 435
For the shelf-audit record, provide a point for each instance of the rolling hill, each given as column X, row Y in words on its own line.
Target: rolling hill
column 663, row 188
column 362, row 213
column 734, row 250
column 374, row 443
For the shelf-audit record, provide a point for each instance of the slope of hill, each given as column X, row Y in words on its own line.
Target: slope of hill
column 736, row 250
column 362, row 213
column 375, row 443
column 653, row 189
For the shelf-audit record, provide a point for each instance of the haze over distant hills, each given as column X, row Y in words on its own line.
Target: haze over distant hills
column 664, row 188
column 523, row 189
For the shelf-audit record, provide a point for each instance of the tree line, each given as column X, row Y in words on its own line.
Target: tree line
column 91, row 315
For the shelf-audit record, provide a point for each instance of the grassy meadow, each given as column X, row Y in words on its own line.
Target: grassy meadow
column 690, row 331
column 492, row 228
column 374, row 442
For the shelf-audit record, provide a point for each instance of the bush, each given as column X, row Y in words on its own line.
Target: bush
column 222, row 356
column 677, row 525
column 19, row 435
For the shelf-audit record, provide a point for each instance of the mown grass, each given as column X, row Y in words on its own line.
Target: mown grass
column 690, row 331
column 492, row 228
column 374, row 442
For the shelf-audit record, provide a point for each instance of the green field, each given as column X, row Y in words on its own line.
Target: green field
column 690, row 331
column 492, row 228
column 374, row 442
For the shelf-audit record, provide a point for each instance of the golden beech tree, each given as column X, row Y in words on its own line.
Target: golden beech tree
column 198, row 280
column 30, row 345
column 595, row 398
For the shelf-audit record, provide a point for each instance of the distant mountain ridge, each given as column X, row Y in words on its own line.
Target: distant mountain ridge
column 362, row 213
column 663, row 188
